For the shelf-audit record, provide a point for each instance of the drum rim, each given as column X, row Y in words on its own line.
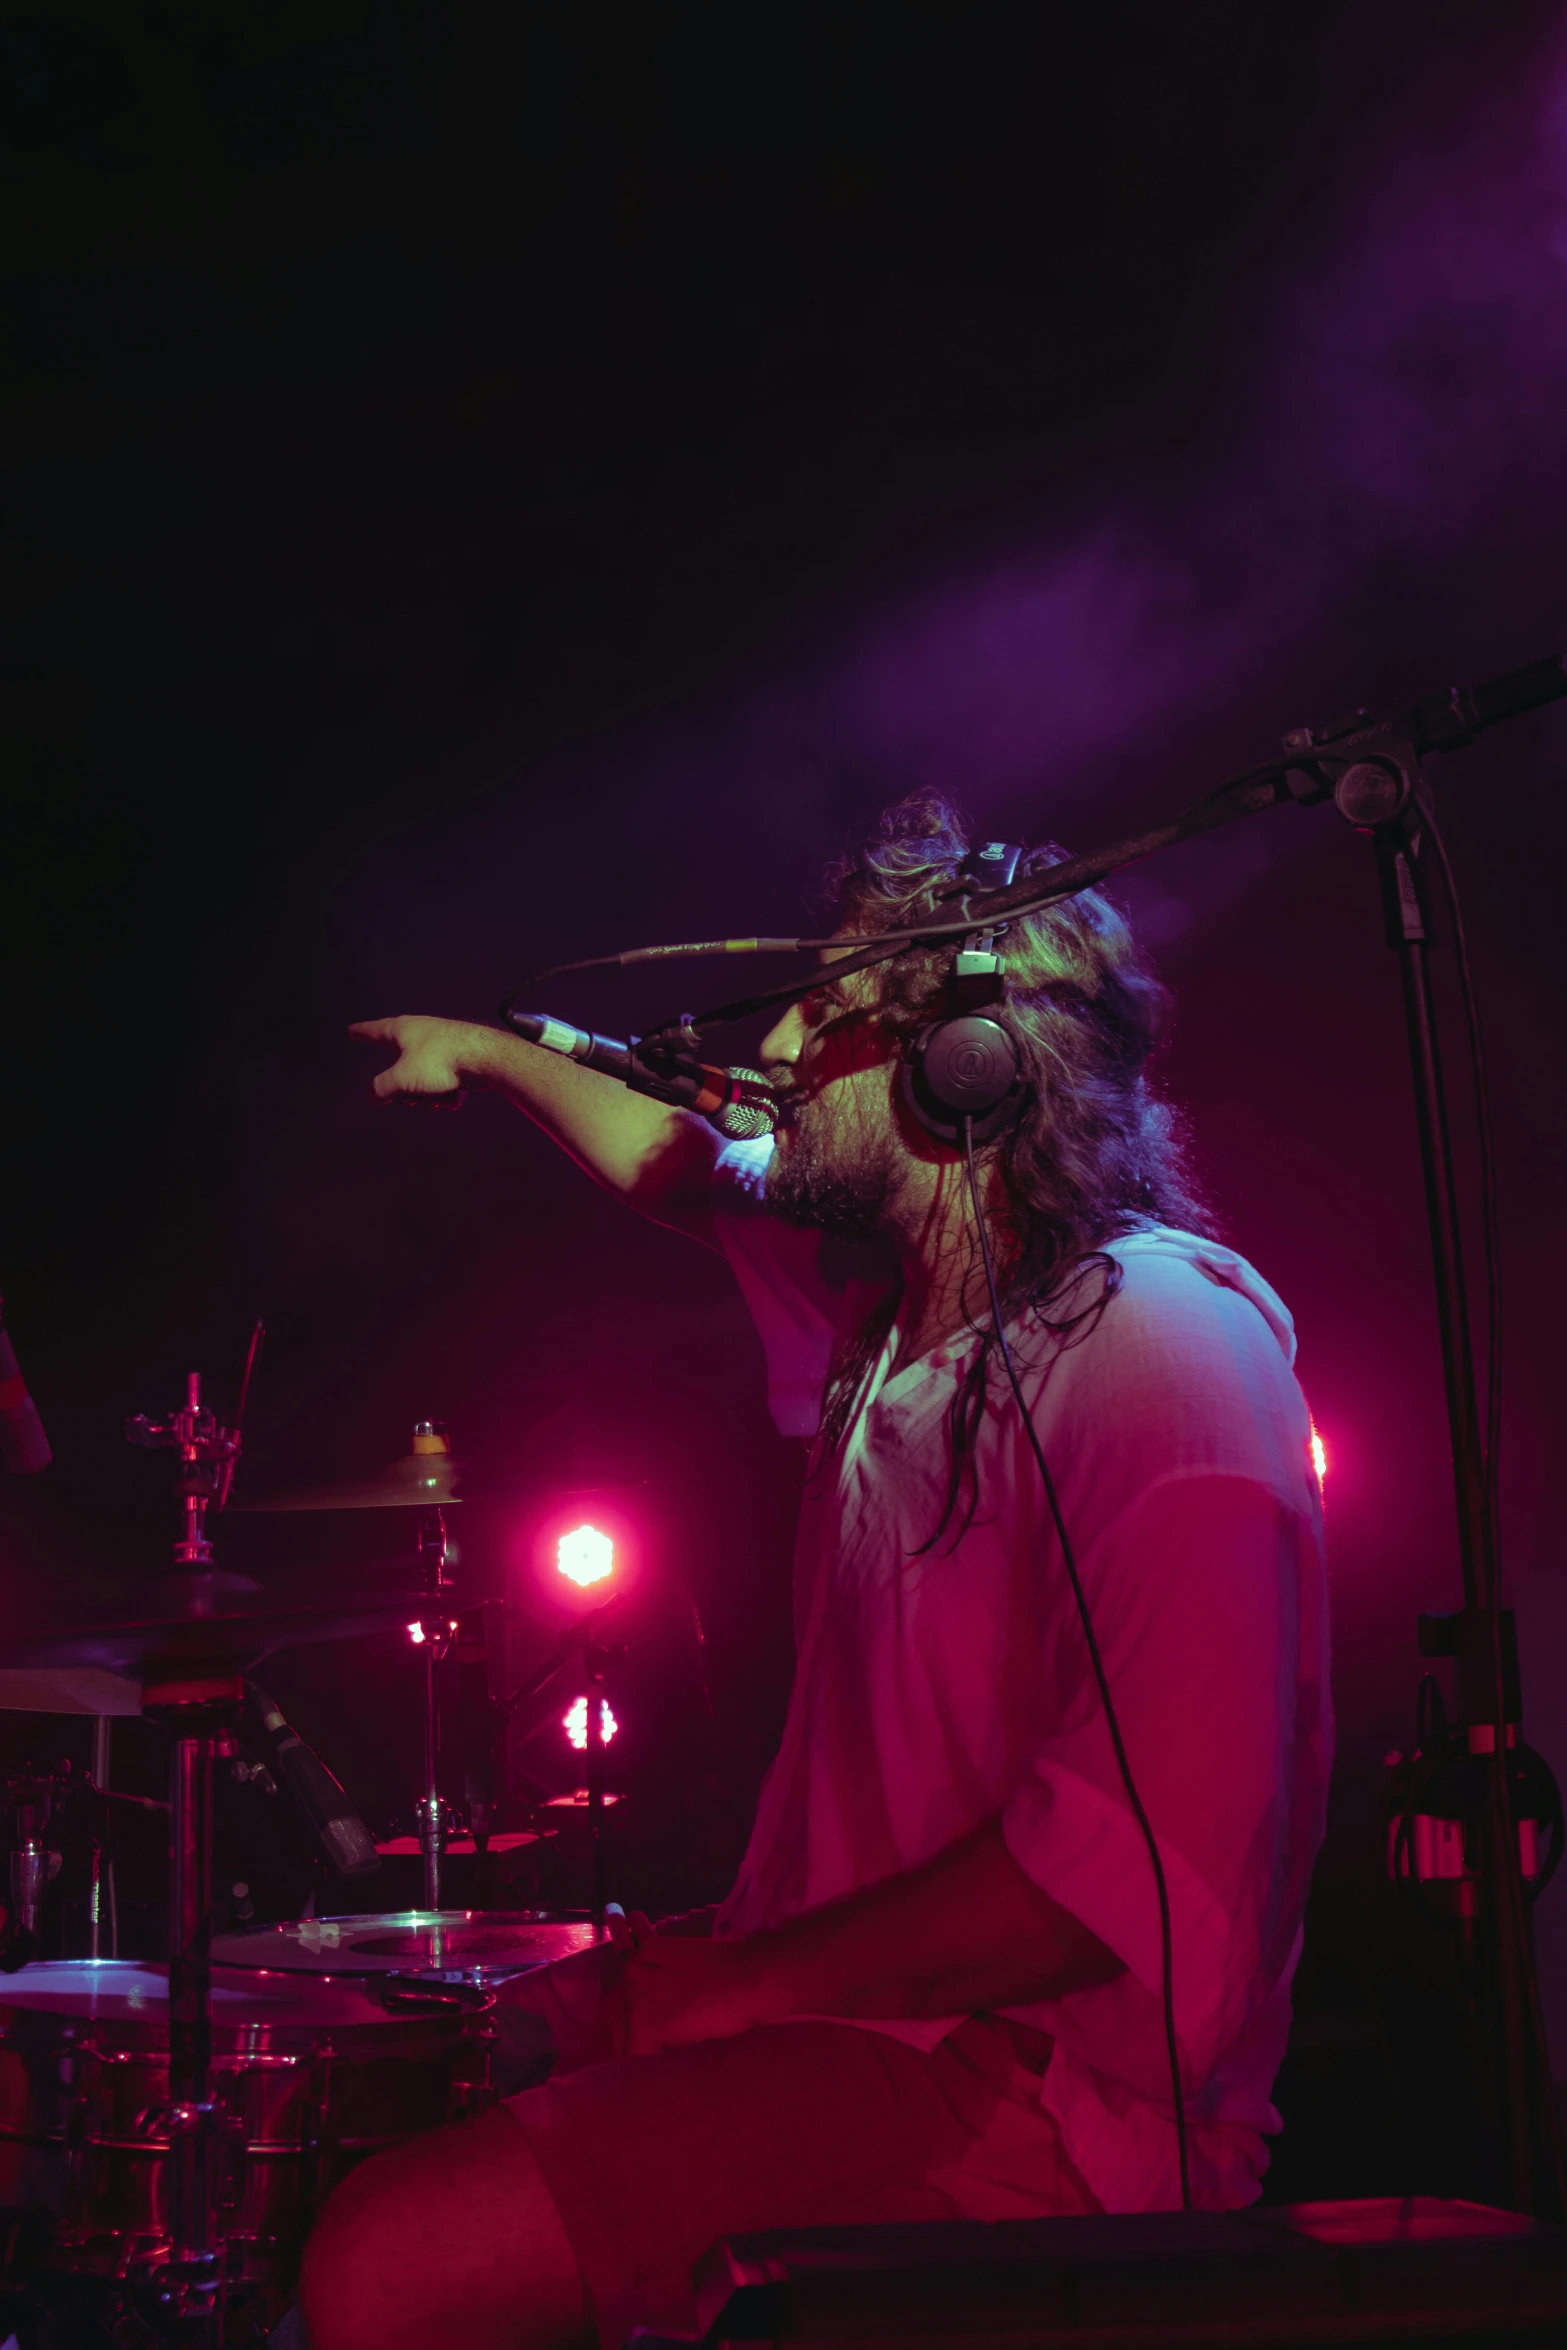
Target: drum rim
column 423, row 2014
column 281, row 1948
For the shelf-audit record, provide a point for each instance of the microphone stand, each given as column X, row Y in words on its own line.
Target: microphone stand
column 1371, row 770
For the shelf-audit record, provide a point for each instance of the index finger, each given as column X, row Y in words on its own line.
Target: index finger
column 376, row 1031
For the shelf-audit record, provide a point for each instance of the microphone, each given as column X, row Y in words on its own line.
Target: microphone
column 24, row 1447
column 341, row 1833
column 739, row 1102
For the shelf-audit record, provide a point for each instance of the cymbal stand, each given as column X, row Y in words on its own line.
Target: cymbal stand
column 437, row 1628
column 199, row 1715
column 102, row 1863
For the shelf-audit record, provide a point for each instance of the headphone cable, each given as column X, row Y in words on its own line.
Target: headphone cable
column 1166, row 1937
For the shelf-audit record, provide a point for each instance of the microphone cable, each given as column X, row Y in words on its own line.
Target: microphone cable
column 1135, row 1801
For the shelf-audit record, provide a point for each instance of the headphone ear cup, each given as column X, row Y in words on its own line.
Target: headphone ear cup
column 964, row 1067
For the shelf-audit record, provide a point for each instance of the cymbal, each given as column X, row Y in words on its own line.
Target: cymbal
column 463, row 1846
column 419, row 1480
column 205, row 1631
column 69, row 1689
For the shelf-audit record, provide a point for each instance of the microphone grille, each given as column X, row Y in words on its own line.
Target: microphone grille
column 747, row 1120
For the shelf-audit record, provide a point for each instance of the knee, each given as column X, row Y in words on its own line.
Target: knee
column 357, row 2247
column 448, row 2243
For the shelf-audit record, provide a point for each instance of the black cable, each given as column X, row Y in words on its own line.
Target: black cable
column 1134, row 1800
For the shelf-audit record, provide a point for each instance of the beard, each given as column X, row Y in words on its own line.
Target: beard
column 822, row 1186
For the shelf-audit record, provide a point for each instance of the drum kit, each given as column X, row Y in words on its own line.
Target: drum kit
column 180, row 2125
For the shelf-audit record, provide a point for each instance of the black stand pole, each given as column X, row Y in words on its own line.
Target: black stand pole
column 199, row 1716
column 437, row 1629
column 1490, row 1711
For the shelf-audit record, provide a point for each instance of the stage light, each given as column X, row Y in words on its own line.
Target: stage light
column 416, row 1633
column 1319, row 1455
column 585, row 1555
column 578, row 1549
column 575, row 1721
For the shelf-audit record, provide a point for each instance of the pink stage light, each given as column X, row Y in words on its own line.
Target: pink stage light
column 1319, row 1455
column 585, row 1556
column 575, row 1721
column 416, row 1633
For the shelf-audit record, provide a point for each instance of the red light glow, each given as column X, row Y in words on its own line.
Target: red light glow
column 575, row 1721
column 1319, row 1455
column 585, row 1556
column 416, row 1634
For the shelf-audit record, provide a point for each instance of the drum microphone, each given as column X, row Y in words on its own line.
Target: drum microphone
column 341, row 1833
column 24, row 1447
column 739, row 1102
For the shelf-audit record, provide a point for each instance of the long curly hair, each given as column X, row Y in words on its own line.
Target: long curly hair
column 1096, row 1152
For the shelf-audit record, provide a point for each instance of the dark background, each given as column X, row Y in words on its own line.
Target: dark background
column 482, row 486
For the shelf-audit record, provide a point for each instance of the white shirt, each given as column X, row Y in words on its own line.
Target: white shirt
column 932, row 1692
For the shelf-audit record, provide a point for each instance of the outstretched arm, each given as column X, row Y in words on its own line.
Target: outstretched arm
column 658, row 1160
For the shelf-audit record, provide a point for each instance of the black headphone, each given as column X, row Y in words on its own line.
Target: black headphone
column 967, row 1066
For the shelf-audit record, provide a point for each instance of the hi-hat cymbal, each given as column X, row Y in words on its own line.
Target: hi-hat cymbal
column 419, row 1480
column 203, row 1630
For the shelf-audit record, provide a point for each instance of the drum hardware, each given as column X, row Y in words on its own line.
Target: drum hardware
column 209, row 1455
column 190, row 1658
column 312, row 2076
column 190, row 1664
column 164, row 2101
column 31, row 1801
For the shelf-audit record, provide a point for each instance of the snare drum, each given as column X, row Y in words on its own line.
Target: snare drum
column 314, row 2075
column 476, row 1946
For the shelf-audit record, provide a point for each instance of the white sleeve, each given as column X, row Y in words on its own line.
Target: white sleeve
column 1207, row 1597
column 799, row 1286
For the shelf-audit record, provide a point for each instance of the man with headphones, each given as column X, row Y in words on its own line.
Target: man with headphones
column 1015, row 1928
